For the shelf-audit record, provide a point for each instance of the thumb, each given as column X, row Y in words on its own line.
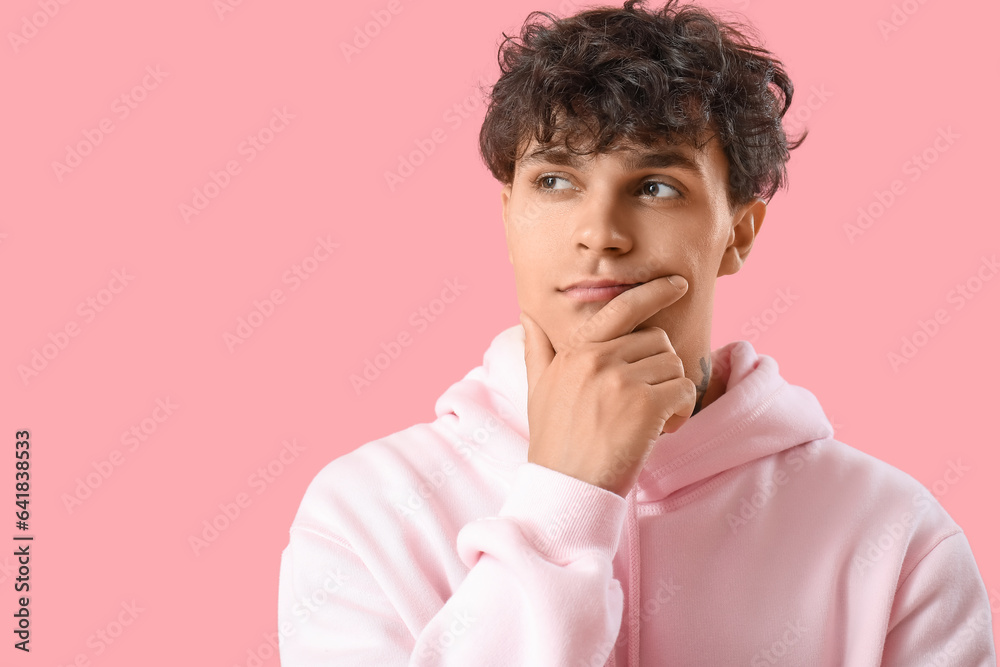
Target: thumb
column 538, row 351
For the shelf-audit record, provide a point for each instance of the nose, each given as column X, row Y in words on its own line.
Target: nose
column 601, row 224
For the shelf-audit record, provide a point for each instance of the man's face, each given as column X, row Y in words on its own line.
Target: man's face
column 631, row 215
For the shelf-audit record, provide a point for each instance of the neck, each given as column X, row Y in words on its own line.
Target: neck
column 712, row 384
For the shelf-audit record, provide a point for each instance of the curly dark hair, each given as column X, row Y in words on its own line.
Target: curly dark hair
column 608, row 74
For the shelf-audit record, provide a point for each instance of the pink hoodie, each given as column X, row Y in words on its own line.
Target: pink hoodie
column 752, row 537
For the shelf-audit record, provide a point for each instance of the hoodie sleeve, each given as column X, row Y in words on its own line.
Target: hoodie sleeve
column 941, row 612
column 539, row 590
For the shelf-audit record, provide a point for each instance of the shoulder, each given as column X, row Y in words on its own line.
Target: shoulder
column 409, row 482
column 353, row 480
column 881, row 507
column 852, row 473
column 852, row 469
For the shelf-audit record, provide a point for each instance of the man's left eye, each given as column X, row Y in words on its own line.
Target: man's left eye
column 549, row 182
column 646, row 189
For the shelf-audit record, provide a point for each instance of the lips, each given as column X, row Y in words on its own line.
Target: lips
column 597, row 290
column 604, row 282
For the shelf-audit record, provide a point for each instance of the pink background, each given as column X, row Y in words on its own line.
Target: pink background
column 873, row 101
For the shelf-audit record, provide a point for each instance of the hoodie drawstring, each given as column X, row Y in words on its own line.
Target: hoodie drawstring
column 632, row 543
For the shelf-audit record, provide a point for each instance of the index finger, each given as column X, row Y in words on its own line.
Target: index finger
column 622, row 314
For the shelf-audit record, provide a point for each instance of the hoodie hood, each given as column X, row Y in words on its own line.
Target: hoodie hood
column 758, row 415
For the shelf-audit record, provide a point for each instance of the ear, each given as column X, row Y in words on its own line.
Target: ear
column 746, row 227
column 505, row 200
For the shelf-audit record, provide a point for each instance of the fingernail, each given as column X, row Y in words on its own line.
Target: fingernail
column 679, row 283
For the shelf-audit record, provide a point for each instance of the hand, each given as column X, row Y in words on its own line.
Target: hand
column 596, row 408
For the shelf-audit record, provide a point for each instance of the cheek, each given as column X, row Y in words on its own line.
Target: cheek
column 702, row 254
column 533, row 260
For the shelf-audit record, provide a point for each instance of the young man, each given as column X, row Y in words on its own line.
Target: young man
column 605, row 489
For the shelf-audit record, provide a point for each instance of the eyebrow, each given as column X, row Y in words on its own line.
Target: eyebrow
column 649, row 159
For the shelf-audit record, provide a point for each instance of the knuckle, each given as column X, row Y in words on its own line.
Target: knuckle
column 587, row 359
column 690, row 396
column 617, row 383
column 591, row 359
column 692, row 388
column 660, row 336
column 647, row 397
column 673, row 365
